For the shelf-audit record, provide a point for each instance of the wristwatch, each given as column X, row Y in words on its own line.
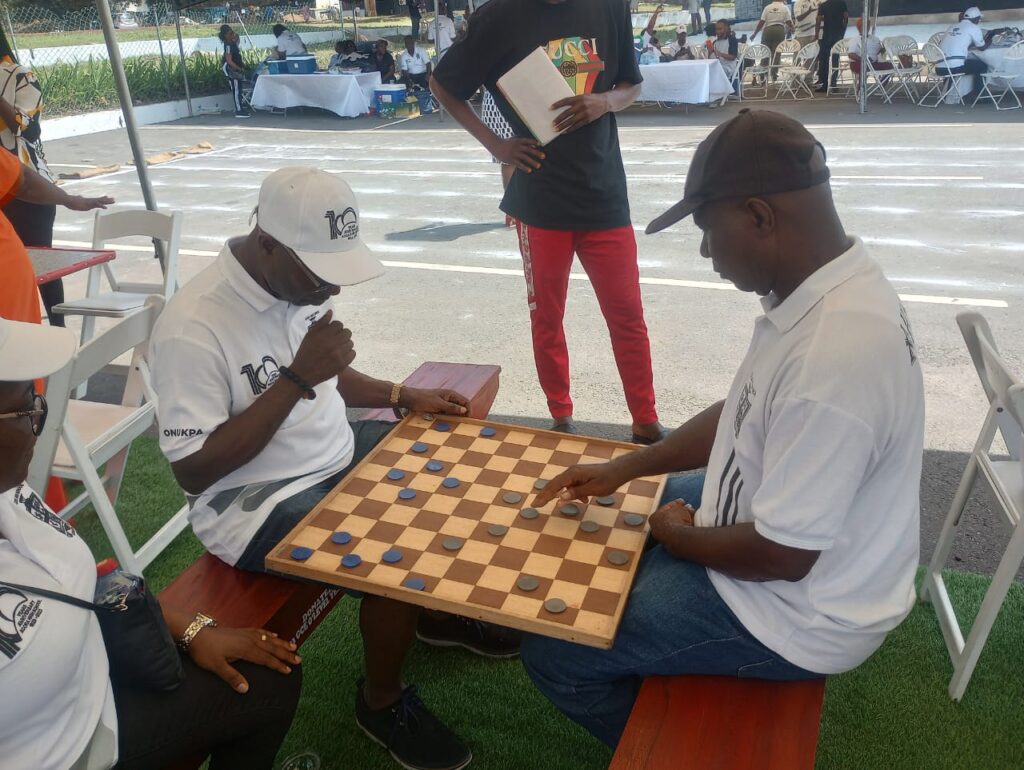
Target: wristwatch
column 200, row 622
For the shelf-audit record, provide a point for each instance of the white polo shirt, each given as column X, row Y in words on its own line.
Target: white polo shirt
column 874, row 47
column 819, row 445
column 290, row 44
column 216, row 348
column 56, row 704
column 958, row 41
column 413, row 63
column 776, row 13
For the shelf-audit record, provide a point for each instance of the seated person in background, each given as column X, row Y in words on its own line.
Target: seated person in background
column 253, row 376
column 960, row 40
column 414, row 65
column 726, row 49
column 650, row 51
column 793, row 553
column 345, row 55
column 383, row 62
column 287, row 43
column 58, row 706
column 873, row 50
column 678, row 50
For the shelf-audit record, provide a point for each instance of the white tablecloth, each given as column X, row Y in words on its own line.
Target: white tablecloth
column 343, row 94
column 690, row 82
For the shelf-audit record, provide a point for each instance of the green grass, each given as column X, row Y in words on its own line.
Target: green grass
column 892, row 712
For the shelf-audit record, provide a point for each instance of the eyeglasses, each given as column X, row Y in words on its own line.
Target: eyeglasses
column 37, row 414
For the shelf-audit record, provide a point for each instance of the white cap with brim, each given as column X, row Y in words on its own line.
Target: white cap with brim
column 973, row 13
column 315, row 214
column 30, row 351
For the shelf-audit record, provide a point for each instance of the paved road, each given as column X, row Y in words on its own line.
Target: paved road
column 937, row 198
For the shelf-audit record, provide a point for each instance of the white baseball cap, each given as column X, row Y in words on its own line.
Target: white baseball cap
column 681, row 30
column 30, row 351
column 972, row 13
column 315, row 214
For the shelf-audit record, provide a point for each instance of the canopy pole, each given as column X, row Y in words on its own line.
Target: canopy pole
column 128, row 111
column 865, row 26
column 184, row 62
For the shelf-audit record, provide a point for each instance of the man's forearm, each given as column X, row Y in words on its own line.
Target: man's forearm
column 239, row 440
column 362, row 391
column 38, row 189
column 622, row 96
column 465, row 116
column 688, row 447
column 739, row 552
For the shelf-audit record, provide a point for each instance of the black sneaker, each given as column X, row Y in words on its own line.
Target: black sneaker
column 565, row 426
column 415, row 738
column 474, row 635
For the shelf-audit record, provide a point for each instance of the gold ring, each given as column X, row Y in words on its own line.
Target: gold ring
column 263, row 637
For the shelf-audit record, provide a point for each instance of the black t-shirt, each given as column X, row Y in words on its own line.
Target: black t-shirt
column 832, row 25
column 382, row 65
column 414, row 9
column 581, row 184
column 236, row 55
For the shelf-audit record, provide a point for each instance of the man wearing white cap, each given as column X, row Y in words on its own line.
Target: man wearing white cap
column 253, row 377
column 959, row 41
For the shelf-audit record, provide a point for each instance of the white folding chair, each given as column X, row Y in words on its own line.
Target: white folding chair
column 785, row 55
column 757, row 58
column 906, row 77
column 1004, row 477
column 940, row 80
column 793, row 80
column 875, row 81
column 125, row 298
column 699, row 51
column 81, row 437
column 841, row 81
column 937, row 38
column 998, row 84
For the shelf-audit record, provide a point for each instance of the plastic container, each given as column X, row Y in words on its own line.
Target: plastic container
column 386, row 98
column 426, row 101
column 301, row 65
column 277, row 67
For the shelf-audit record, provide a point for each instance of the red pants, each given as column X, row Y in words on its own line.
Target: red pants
column 609, row 258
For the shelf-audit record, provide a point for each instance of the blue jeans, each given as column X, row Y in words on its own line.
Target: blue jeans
column 675, row 623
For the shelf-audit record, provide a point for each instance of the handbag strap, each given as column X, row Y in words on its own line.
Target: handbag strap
column 73, row 600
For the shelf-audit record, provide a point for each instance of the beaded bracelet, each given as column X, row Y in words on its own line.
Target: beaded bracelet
column 308, row 391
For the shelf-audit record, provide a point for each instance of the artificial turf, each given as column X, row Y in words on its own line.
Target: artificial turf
column 892, row 712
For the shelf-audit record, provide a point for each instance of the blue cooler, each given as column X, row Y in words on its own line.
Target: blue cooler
column 277, row 67
column 386, row 99
column 301, row 65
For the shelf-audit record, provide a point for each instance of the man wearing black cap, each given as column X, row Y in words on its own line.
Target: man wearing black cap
column 788, row 550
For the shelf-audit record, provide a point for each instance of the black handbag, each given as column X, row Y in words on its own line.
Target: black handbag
column 140, row 649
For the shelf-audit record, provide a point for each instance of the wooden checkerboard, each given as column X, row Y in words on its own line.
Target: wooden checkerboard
column 479, row 579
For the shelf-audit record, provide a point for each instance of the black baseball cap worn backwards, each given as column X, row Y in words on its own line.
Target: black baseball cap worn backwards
column 758, row 152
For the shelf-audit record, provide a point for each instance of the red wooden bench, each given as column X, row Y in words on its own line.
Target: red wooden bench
column 722, row 723
column 290, row 609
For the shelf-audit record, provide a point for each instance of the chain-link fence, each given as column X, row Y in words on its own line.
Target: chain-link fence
column 67, row 51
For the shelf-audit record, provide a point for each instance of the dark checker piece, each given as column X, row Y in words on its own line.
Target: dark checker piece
column 452, row 543
column 590, row 526
column 351, row 560
column 527, row 583
column 341, row 538
column 554, row 605
column 539, row 484
column 442, row 426
column 392, row 556
column 487, row 432
column 396, row 475
column 529, row 513
column 419, row 447
column 512, row 498
column 497, row 530
column 301, row 553
column 416, row 584
column 606, row 500
column 618, row 558
column 407, row 494
column 450, row 483
column 435, row 465
column 570, row 510
column 633, row 519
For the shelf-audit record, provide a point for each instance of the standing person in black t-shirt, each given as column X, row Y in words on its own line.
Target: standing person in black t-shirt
column 414, row 16
column 233, row 68
column 570, row 196
column 830, row 28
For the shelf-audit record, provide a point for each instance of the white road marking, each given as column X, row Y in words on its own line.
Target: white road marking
column 473, row 269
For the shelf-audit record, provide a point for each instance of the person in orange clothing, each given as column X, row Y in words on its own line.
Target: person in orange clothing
column 19, row 292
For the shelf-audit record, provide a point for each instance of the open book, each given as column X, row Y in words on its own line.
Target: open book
column 531, row 87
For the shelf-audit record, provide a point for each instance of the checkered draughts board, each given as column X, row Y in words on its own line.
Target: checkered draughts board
column 480, row 578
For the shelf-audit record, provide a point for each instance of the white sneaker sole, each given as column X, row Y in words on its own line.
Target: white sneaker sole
column 468, row 648
column 395, row 757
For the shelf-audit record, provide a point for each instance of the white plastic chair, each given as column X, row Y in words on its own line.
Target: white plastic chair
column 81, row 437
column 785, row 55
column 938, row 83
column 937, row 38
column 881, row 82
column 1005, row 480
column 841, row 82
column 126, row 298
column 699, row 51
column 906, row 77
column 998, row 84
column 793, row 80
column 759, row 56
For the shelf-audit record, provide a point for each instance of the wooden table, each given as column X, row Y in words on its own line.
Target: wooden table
column 51, row 264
